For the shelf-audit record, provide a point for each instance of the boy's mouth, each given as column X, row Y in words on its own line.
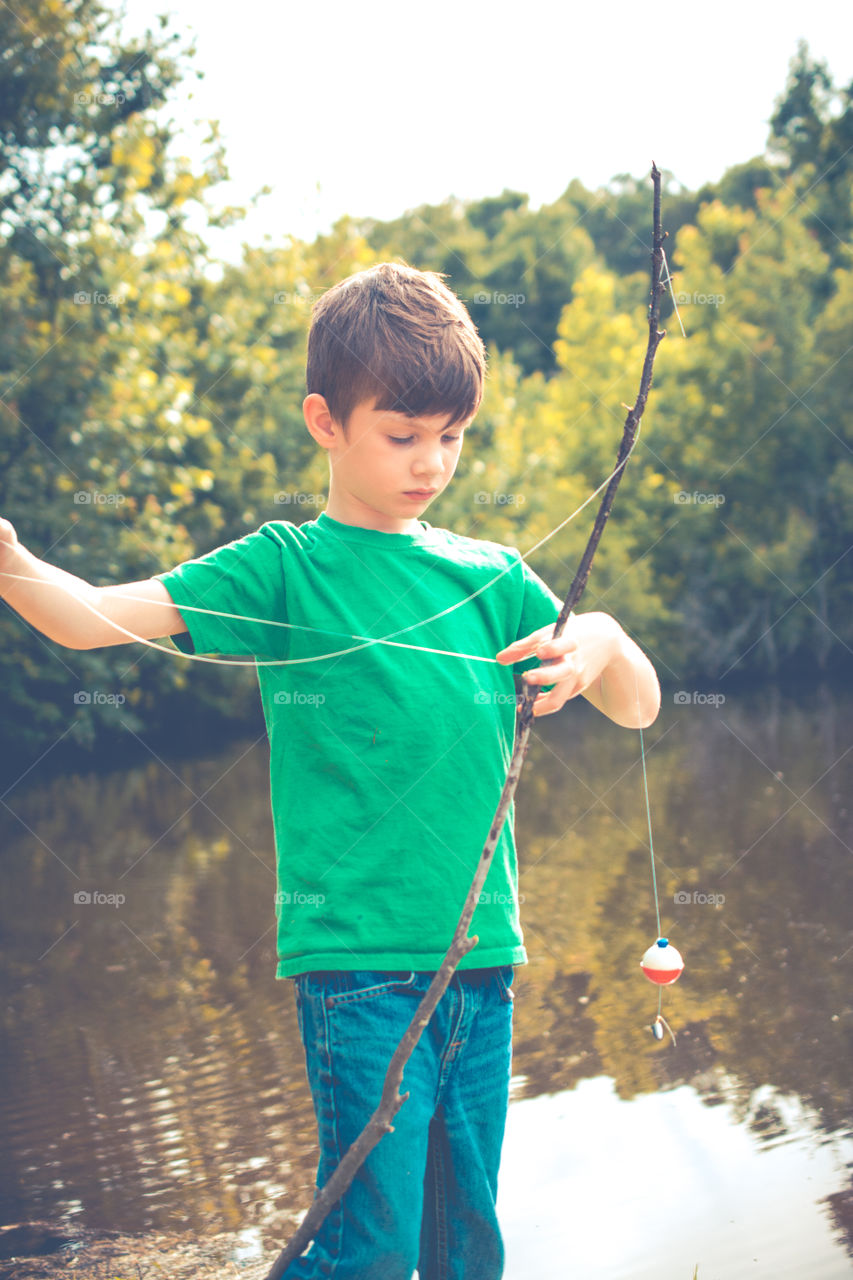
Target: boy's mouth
column 420, row 495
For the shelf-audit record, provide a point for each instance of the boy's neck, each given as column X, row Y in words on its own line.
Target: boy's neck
column 347, row 509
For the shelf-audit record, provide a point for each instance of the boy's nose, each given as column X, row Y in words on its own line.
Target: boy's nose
column 429, row 464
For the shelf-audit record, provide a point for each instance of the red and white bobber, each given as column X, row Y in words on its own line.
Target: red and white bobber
column 662, row 963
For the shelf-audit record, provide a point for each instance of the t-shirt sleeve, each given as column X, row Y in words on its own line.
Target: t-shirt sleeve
column 244, row 579
column 540, row 608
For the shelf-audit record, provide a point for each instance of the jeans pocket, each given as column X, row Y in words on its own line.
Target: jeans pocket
column 367, row 984
column 505, row 976
column 297, row 999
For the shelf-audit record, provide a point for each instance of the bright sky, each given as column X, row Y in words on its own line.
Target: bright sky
column 374, row 108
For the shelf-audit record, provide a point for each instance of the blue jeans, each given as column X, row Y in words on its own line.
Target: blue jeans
column 425, row 1196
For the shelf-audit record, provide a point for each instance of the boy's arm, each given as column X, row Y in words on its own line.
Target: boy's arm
column 55, row 602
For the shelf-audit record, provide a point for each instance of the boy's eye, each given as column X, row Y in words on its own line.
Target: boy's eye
column 409, row 439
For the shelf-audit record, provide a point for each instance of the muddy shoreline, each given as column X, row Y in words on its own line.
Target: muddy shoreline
column 47, row 1251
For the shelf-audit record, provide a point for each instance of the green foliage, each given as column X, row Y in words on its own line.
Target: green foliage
column 151, row 398
column 812, row 129
column 616, row 217
column 516, row 267
column 744, row 415
column 105, row 448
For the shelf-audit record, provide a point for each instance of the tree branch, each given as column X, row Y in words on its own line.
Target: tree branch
column 391, row 1100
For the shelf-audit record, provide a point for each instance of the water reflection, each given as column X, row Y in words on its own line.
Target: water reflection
column 594, row 1186
column 152, row 1073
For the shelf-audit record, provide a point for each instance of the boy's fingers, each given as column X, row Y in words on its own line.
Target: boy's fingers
column 524, row 647
column 543, row 708
column 557, row 648
column 546, row 703
column 516, row 651
column 559, row 656
column 548, row 673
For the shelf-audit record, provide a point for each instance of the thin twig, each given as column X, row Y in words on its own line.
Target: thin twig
column 391, row 1100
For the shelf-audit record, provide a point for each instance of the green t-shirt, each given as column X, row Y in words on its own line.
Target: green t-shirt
column 386, row 762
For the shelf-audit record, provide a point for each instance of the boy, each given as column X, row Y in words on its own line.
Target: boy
column 386, row 759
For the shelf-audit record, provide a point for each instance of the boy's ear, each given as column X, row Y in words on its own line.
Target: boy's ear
column 319, row 421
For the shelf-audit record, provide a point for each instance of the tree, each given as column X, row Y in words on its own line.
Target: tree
column 97, row 268
column 811, row 130
column 746, row 447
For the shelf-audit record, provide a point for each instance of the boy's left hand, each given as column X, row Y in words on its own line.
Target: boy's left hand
column 589, row 643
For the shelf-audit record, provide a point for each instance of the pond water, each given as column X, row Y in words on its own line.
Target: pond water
column 152, row 1074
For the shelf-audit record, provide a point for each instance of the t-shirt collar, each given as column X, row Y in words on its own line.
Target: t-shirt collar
column 373, row 537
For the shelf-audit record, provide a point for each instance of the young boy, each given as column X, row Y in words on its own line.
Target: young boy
column 386, row 759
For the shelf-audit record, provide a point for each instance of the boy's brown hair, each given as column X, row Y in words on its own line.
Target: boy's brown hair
column 398, row 336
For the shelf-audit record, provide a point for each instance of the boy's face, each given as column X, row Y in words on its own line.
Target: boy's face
column 388, row 468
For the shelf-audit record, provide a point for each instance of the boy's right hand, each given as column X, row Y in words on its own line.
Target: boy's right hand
column 7, row 531
column 8, row 541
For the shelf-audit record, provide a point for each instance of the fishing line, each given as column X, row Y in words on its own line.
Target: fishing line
column 661, row 964
column 246, row 662
column 651, row 841
column 672, row 291
column 389, row 639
